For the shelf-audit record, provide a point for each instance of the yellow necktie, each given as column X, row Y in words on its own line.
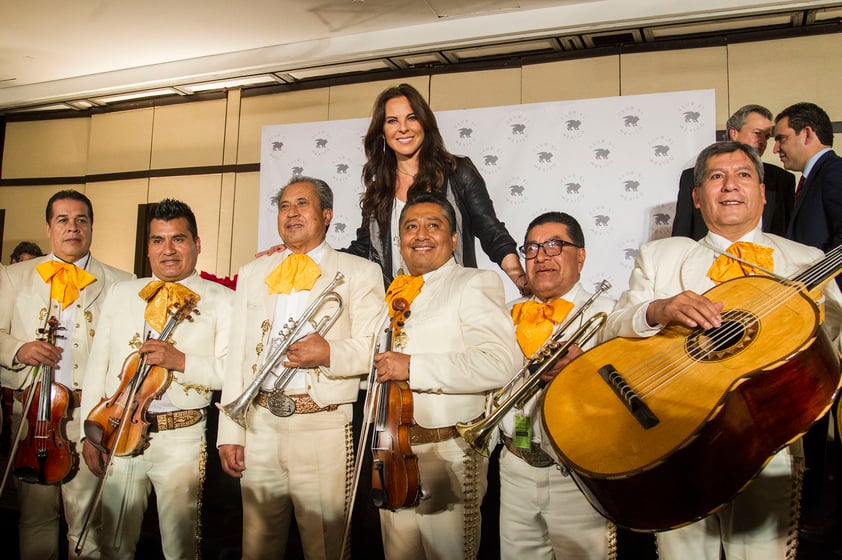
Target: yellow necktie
column 297, row 271
column 725, row 268
column 535, row 322
column 65, row 280
column 160, row 297
column 403, row 286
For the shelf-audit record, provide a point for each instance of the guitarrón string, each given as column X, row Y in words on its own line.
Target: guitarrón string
column 665, row 366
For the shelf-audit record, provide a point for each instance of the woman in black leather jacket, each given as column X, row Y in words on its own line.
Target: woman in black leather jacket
column 405, row 154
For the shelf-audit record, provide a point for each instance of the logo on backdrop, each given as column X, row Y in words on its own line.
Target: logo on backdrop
column 320, row 143
column 572, row 189
column 628, row 251
column 518, row 127
column 630, row 185
column 690, row 116
column 343, row 171
column 516, row 191
column 602, row 155
column 545, row 156
column 341, row 231
column 491, row 162
column 574, row 126
column 629, row 120
column 661, row 151
column 296, row 169
column 601, row 223
column 276, row 146
column 465, row 133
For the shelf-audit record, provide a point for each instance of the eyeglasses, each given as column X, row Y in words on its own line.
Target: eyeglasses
column 552, row 247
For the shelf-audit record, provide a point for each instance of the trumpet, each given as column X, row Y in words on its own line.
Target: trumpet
column 478, row 433
column 291, row 331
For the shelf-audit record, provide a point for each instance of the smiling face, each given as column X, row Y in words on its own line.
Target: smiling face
column 172, row 249
column 70, row 230
column 792, row 147
column 731, row 196
column 302, row 223
column 755, row 132
column 552, row 277
column 402, row 129
column 426, row 240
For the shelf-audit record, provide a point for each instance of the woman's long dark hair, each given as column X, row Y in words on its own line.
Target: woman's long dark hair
column 380, row 170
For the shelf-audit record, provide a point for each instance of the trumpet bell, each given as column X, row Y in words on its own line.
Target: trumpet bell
column 235, row 410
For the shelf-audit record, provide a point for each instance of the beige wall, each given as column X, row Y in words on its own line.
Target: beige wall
column 227, row 131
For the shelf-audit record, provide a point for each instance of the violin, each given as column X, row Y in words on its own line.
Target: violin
column 45, row 455
column 118, row 425
column 396, row 481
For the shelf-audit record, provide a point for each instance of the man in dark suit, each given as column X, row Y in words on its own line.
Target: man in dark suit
column 752, row 125
column 803, row 141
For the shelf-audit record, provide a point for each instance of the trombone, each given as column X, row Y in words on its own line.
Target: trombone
column 291, row 331
column 478, row 433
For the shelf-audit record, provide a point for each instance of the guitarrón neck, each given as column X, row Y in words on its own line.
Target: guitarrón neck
column 818, row 274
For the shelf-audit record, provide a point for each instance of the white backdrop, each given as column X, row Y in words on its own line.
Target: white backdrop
column 612, row 163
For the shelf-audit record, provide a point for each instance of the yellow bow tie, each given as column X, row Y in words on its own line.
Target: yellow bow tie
column 725, row 268
column 65, row 280
column 535, row 322
column 403, row 286
column 297, row 271
column 160, row 297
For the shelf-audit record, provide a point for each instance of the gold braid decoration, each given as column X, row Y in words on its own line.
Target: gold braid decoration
column 264, row 328
column 349, row 482
column 795, row 507
column 203, row 459
column 472, row 499
column 198, row 388
column 612, row 541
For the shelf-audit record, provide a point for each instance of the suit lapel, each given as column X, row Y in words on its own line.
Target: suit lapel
column 94, row 290
column 328, row 266
column 697, row 264
column 41, row 288
column 815, row 172
column 269, row 303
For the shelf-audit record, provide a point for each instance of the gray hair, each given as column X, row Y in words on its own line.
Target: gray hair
column 323, row 190
column 738, row 120
column 725, row 147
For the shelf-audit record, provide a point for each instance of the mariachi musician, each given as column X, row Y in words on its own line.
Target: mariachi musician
column 169, row 453
column 456, row 345
column 291, row 443
column 542, row 512
column 665, row 287
column 70, row 285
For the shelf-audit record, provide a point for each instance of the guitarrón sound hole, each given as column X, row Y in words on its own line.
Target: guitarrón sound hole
column 722, row 337
column 738, row 330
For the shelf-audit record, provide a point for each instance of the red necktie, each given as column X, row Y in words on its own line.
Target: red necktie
column 799, row 187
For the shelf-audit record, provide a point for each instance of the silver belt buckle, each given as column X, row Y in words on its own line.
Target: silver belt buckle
column 280, row 404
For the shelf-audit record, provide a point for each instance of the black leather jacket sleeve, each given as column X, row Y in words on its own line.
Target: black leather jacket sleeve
column 478, row 217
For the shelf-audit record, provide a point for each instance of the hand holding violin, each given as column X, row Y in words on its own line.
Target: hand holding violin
column 163, row 354
column 38, row 352
column 392, row 366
